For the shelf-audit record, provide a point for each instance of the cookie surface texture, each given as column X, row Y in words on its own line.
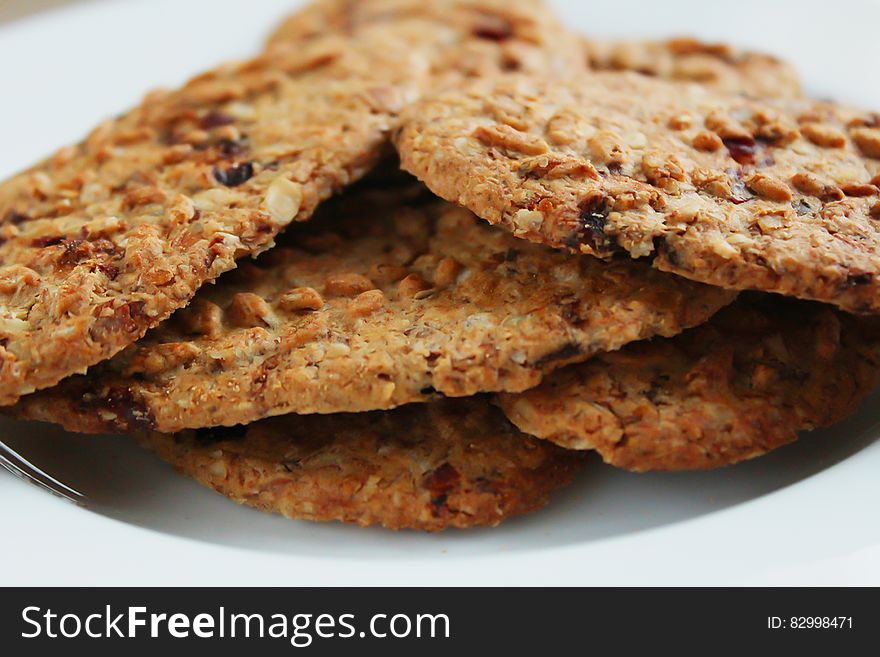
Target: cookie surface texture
column 388, row 296
column 105, row 239
column 778, row 196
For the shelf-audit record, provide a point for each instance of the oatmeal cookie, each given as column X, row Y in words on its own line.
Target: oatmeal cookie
column 716, row 65
column 741, row 385
column 773, row 195
column 106, row 238
column 452, row 463
column 465, row 38
column 389, row 296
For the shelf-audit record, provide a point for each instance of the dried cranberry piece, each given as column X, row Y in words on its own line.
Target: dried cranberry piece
column 215, row 119
column 510, row 65
column 129, row 410
column 110, row 271
column 440, row 482
column 123, row 320
column 591, row 223
column 493, row 28
column 235, row 175
column 741, row 149
column 47, row 240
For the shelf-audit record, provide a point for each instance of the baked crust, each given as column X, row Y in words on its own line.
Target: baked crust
column 453, row 463
column 389, row 296
column 778, row 196
column 743, row 384
column 716, row 65
column 106, row 238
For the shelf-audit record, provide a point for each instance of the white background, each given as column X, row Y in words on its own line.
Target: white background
column 804, row 515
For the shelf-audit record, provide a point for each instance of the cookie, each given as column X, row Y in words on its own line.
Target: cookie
column 453, row 463
column 741, row 385
column 716, row 65
column 779, row 196
column 464, row 38
column 106, row 238
column 524, row 24
column 494, row 18
column 388, row 296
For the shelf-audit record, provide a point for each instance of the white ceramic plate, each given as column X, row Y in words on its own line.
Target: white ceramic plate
column 806, row 514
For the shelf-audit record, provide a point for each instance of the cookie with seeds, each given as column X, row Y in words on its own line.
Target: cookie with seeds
column 531, row 38
column 739, row 386
column 467, row 38
column 106, row 238
column 716, row 65
column 773, row 195
column 452, row 463
column 389, row 296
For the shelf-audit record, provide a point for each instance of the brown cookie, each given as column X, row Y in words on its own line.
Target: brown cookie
column 741, row 385
column 466, row 38
column 778, row 196
column 106, row 238
column 389, row 296
column 453, row 463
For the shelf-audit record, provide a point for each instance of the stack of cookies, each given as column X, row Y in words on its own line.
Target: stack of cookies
column 454, row 248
